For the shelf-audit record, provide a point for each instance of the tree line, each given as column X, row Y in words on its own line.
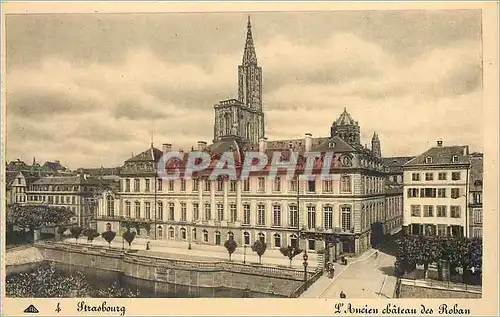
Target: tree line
column 33, row 217
column 458, row 252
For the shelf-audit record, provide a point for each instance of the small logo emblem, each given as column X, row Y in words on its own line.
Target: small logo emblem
column 31, row 310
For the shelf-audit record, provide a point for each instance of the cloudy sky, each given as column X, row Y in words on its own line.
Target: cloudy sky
column 90, row 89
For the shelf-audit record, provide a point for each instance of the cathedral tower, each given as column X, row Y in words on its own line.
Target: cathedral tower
column 376, row 145
column 243, row 117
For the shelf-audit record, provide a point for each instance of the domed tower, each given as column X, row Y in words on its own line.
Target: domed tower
column 346, row 128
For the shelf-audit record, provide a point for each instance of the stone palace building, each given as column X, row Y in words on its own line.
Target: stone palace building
column 312, row 213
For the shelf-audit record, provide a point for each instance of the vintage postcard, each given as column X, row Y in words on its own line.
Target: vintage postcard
column 309, row 158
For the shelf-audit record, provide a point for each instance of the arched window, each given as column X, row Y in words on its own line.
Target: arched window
column 183, row 234
column 262, row 237
column 217, row 237
column 108, row 227
column 230, row 235
column 205, row 236
column 171, row 233
column 193, row 234
column 277, row 240
column 293, row 240
column 160, row 232
column 110, row 203
column 246, row 238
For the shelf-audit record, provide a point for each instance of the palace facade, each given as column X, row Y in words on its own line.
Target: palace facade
column 280, row 211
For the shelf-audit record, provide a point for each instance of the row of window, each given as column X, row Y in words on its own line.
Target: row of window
column 442, row 176
column 18, row 190
column 371, row 213
column 434, row 192
column 58, row 188
column 20, row 198
column 435, row 211
column 53, row 199
column 218, row 239
column 261, row 216
column 477, row 198
column 439, row 229
column 454, row 159
column 477, row 216
column 277, row 185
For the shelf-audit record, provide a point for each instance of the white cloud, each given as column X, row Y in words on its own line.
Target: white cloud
column 100, row 113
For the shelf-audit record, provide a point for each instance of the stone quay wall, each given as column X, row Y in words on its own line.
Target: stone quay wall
column 167, row 269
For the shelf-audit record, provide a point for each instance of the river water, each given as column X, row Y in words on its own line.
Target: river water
column 148, row 289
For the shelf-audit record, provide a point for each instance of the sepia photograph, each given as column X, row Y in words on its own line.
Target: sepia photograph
column 307, row 154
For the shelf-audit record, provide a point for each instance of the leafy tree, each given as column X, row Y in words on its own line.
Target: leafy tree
column 91, row 234
column 108, row 236
column 129, row 236
column 290, row 252
column 46, row 281
column 76, row 231
column 61, row 230
column 259, row 247
column 475, row 253
column 230, row 246
column 430, row 251
column 36, row 216
column 115, row 291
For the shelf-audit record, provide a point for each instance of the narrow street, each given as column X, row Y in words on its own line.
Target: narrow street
column 369, row 276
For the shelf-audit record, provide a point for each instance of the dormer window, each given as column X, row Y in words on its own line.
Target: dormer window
column 428, row 160
column 454, row 159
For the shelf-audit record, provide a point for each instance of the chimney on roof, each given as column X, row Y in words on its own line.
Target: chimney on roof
column 440, row 143
column 466, row 150
column 262, row 145
column 202, row 145
column 166, row 147
column 308, row 141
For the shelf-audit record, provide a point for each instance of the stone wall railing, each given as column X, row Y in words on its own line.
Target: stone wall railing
column 302, row 288
column 173, row 263
column 214, row 266
column 442, row 285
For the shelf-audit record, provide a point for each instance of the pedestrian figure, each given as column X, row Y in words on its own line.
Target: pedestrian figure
column 329, row 269
column 342, row 294
column 332, row 270
column 375, row 255
column 147, row 245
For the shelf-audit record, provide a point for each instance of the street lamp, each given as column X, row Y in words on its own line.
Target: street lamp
column 305, row 257
column 244, row 253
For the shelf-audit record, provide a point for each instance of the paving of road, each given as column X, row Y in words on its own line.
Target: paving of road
column 369, row 277
column 365, row 277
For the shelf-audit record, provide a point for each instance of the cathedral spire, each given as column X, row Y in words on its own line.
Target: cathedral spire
column 249, row 56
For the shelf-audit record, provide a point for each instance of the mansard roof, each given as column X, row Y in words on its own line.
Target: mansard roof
column 442, row 155
column 10, row 176
column 395, row 163
column 150, row 155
